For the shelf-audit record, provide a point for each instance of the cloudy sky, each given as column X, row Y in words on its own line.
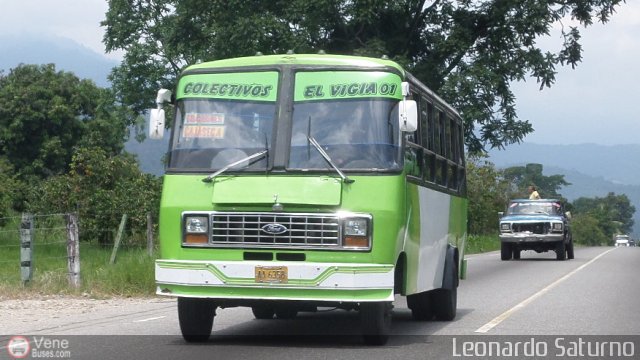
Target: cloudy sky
column 595, row 103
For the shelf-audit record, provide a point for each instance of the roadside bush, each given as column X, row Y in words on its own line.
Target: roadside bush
column 9, row 186
column 100, row 188
column 587, row 231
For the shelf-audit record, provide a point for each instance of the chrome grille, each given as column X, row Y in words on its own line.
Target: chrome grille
column 535, row 228
column 247, row 229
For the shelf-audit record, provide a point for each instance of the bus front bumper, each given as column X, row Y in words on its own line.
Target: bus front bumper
column 331, row 282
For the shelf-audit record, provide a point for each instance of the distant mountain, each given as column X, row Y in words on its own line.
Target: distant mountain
column 150, row 153
column 593, row 170
column 66, row 54
column 618, row 164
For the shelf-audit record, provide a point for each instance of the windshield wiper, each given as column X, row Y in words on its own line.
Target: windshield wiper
column 250, row 160
column 328, row 159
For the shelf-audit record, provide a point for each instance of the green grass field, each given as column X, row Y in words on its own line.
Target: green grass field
column 482, row 243
column 131, row 275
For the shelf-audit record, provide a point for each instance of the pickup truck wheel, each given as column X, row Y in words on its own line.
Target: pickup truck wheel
column 505, row 251
column 375, row 320
column 570, row 250
column 196, row 318
column 561, row 250
column 421, row 306
column 516, row 253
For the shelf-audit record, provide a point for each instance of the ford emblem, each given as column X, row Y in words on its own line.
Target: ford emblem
column 274, row 229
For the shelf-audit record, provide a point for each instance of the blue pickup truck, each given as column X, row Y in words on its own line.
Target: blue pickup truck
column 539, row 225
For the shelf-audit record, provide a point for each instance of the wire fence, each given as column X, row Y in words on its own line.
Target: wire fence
column 51, row 244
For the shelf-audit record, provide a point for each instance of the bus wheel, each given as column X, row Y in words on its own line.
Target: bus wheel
column 561, row 250
column 196, row 318
column 375, row 319
column 262, row 312
column 421, row 306
column 445, row 303
column 286, row 312
column 505, row 251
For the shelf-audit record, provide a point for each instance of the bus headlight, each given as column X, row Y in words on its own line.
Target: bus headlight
column 505, row 227
column 355, row 233
column 196, row 229
column 557, row 226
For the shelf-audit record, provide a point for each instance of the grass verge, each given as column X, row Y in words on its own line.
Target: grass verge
column 132, row 275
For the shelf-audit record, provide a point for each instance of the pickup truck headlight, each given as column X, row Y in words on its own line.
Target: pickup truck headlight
column 505, row 227
column 196, row 229
column 557, row 226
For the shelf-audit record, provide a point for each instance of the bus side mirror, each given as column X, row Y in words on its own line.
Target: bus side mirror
column 408, row 115
column 157, row 116
column 156, row 124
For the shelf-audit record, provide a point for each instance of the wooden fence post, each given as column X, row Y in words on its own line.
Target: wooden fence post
column 73, row 250
column 116, row 244
column 26, row 248
column 149, row 234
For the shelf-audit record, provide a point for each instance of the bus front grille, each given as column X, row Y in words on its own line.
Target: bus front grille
column 275, row 229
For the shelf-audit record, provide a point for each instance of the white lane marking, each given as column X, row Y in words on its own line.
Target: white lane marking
column 150, row 319
column 505, row 315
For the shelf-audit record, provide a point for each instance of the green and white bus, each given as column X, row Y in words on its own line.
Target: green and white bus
column 302, row 181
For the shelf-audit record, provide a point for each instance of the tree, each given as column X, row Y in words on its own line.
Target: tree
column 468, row 51
column 100, row 188
column 586, row 230
column 44, row 114
column 9, row 186
column 488, row 194
column 521, row 177
column 614, row 213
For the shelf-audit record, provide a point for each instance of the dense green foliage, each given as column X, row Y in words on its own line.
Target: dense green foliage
column 587, row 230
column 521, row 177
column 100, row 188
column 612, row 214
column 61, row 143
column 45, row 114
column 488, row 195
column 468, row 51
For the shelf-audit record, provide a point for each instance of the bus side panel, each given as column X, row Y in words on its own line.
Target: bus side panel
column 458, row 226
column 427, row 238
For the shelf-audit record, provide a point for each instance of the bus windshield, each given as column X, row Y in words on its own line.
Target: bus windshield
column 212, row 133
column 356, row 134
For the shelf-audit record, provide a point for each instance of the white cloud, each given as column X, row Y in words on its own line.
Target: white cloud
column 596, row 101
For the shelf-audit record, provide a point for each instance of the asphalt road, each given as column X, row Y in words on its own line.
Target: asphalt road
column 594, row 296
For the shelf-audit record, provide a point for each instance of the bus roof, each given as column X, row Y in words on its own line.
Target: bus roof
column 298, row 59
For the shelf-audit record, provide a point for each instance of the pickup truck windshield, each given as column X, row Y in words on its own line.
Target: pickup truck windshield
column 532, row 208
column 212, row 133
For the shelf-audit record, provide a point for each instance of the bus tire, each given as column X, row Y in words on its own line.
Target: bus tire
column 505, row 251
column 262, row 312
column 286, row 313
column 421, row 306
column 561, row 250
column 445, row 303
column 196, row 318
column 375, row 320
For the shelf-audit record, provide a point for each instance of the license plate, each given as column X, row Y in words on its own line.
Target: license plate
column 272, row 274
